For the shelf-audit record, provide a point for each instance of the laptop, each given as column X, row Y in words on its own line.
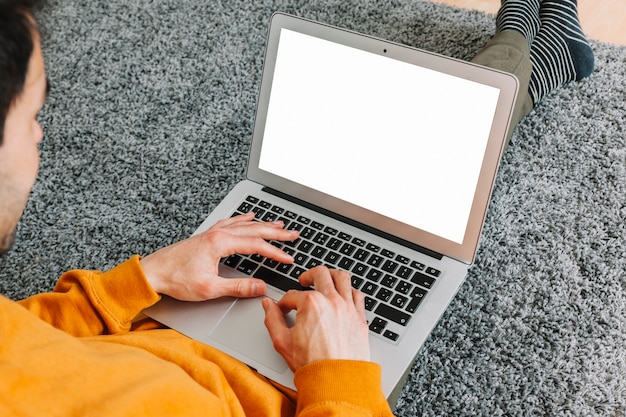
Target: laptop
column 384, row 158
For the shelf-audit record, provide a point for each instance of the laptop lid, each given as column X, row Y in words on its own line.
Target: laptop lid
column 398, row 140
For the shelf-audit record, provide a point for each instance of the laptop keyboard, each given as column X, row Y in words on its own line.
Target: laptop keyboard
column 394, row 285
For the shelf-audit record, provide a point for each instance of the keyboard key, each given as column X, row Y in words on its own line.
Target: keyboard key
column 392, row 314
column 291, row 215
column 357, row 282
column 384, row 294
column 344, row 236
column 270, row 262
column 296, row 272
column 295, row 226
column 247, row 267
column 372, row 247
column 418, row 292
column 304, row 220
column 374, row 275
column 305, row 246
column 334, row 243
column 347, row 249
column 391, row 335
column 359, row 269
column 277, row 280
column 252, row 199
column 265, row 204
column 245, row 207
column 318, row 252
column 418, row 265
column 370, row 303
column 389, row 281
column 320, row 238
column 361, row 255
column 358, row 242
column 404, row 272
column 331, row 231
column 369, row 288
column 332, row 258
column 257, row 258
column 258, row 212
column 375, row 260
column 399, row 301
column 417, row 296
column 378, row 325
column 345, row 263
column 413, row 304
column 285, row 221
column 389, row 266
column 423, row 280
column 233, row 261
column 307, row 233
column 402, row 259
column 278, row 210
column 387, row 253
column 432, row 271
column 300, row 258
column 312, row 263
column 317, row 225
column 403, row 287
column 284, row 268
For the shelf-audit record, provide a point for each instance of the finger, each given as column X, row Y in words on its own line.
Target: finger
column 247, row 217
column 239, row 287
column 261, row 247
column 266, row 230
column 223, row 244
column 343, row 282
column 320, row 278
column 292, row 300
column 276, row 326
column 359, row 302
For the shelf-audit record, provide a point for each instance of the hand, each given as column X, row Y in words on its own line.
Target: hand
column 188, row 270
column 330, row 321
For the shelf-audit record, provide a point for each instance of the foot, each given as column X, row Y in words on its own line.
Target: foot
column 519, row 15
column 560, row 52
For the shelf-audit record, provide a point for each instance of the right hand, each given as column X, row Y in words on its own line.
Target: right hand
column 330, row 321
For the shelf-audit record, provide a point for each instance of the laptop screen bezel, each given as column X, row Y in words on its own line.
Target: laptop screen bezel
column 506, row 83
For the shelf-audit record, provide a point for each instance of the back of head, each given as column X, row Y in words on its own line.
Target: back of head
column 16, row 47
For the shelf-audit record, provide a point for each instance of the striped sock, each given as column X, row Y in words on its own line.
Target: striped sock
column 560, row 52
column 519, row 15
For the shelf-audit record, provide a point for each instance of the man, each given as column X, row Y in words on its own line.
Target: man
column 84, row 349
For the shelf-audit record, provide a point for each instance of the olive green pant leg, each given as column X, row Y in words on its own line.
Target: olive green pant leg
column 508, row 51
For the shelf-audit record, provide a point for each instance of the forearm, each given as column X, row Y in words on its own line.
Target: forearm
column 92, row 302
column 340, row 388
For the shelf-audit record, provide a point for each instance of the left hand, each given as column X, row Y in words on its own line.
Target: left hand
column 188, row 270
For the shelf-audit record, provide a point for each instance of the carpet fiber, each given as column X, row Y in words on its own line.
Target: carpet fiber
column 148, row 125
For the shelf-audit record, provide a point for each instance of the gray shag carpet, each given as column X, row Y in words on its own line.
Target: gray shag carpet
column 148, row 126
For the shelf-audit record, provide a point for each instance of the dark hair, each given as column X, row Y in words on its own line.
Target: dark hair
column 16, row 47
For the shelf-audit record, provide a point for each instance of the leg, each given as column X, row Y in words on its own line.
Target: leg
column 508, row 51
column 560, row 52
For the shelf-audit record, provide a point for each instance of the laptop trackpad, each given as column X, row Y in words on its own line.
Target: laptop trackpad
column 242, row 329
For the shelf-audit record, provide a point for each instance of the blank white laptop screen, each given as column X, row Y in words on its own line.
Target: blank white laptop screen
column 408, row 145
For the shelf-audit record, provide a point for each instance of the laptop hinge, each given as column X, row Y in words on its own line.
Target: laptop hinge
column 354, row 223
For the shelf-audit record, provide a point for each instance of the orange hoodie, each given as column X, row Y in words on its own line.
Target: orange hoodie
column 81, row 351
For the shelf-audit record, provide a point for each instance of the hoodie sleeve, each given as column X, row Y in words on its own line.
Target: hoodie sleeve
column 88, row 303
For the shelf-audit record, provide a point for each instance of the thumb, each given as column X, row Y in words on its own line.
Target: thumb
column 277, row 327
column 241, row 287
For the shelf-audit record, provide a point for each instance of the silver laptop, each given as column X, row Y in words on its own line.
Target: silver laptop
column 384, row 158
